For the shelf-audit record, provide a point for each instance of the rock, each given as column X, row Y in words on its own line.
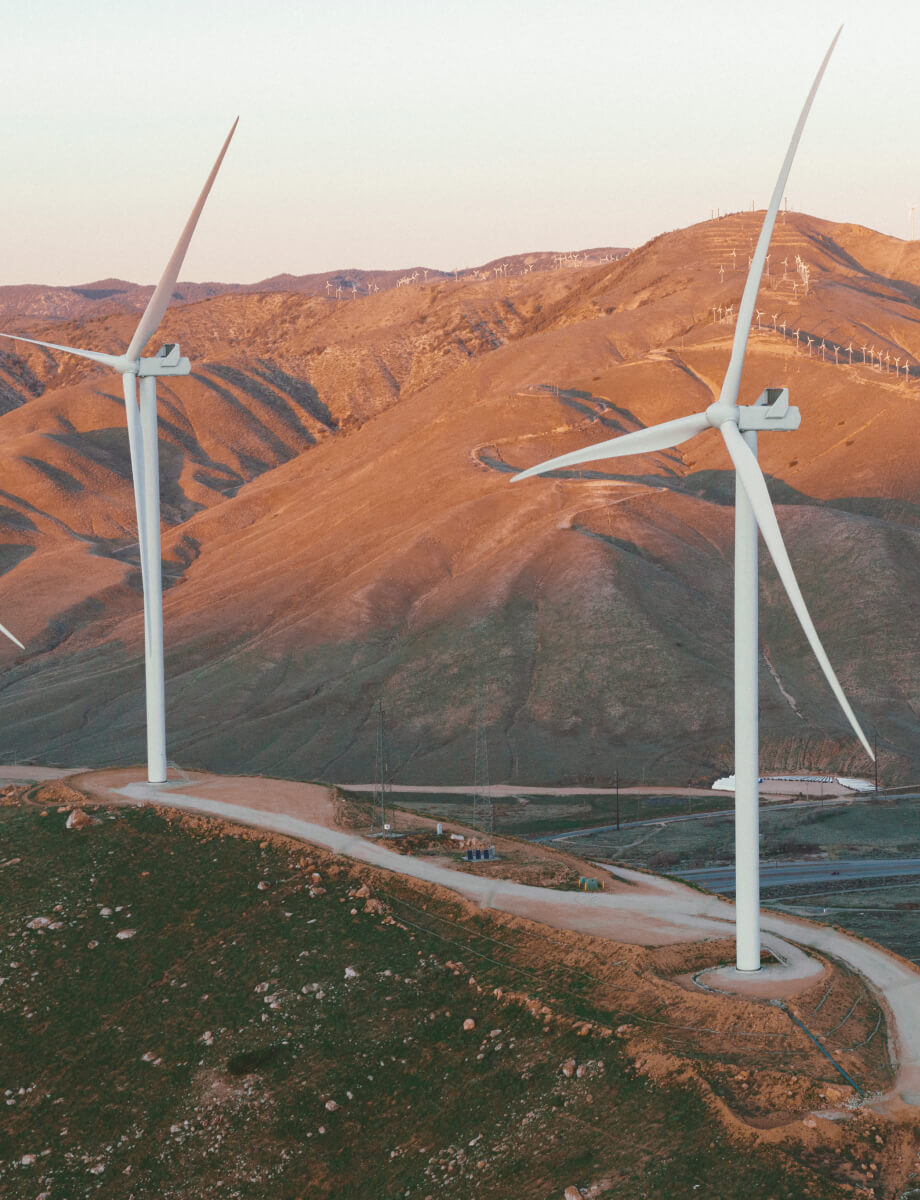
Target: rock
column 572, row 1193
column 39, row 922
column 469, row 1024
column 207, row 1038
column 78, row 819
column 568, row 1068
column 105, row 912
column 373, row 906
column 124, row 934
column 810, row 1123
column 28, row 1159
column 263, row 885
column 331, row 1106
column 351, row 973
column 363, row 892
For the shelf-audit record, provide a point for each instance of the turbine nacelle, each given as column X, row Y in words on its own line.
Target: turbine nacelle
column 771, row 412
column 166, row 361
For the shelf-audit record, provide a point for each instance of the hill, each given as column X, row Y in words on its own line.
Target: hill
column 104, row 297
column 340, row 528
column 238, row 1016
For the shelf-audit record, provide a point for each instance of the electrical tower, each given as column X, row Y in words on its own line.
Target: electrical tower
column 383, row 817
column 483, row 803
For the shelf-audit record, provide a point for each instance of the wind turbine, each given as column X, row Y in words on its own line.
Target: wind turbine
column 145, row 469
column 739, row 428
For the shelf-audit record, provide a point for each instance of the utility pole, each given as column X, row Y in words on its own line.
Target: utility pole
column 381, row 777
column 483, row 803
column 616, row 776
column 875, row 748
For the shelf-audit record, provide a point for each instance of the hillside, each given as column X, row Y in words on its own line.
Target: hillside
column 103, row 297
column 340, row 528
column 241, row 1016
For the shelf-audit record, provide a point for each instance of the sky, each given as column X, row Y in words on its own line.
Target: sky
column 399, row 133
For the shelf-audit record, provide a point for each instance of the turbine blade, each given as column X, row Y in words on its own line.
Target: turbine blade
column 642, row 441
column 110, row 360
column 156, row 305
column 3, row 629
column 746, row 308
column 755, row 487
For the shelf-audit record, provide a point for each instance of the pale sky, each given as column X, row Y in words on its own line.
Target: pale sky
column 405, row 132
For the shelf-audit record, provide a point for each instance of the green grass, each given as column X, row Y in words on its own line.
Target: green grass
column 188, row 1060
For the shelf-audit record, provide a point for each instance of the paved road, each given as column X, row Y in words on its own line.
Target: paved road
column 727, row 813
column 722, row 879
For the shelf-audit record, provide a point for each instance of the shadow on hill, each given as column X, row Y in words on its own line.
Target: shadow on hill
column 910, row 291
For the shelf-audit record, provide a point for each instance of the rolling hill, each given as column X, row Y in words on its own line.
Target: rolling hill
column 339, row 527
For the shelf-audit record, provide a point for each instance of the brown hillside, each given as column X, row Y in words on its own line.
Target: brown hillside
column 340, row 527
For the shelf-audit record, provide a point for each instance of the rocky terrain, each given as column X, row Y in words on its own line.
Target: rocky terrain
column 190, row 1009
column 339, row 526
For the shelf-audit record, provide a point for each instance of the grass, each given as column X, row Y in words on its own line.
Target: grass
column 266, row 1032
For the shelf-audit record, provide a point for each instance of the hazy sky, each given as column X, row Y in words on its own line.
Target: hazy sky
column 403, row 132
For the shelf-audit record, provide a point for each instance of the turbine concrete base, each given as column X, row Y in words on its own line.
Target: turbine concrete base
column 791, row 971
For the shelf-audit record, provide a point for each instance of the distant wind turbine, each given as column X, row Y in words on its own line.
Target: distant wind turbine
column 739, row 427
column 145, row 470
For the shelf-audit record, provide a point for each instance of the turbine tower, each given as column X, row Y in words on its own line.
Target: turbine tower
column 145, row 469
column 753, row 508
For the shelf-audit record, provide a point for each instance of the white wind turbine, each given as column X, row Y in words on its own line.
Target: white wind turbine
column 145, row 469
column 739, row 427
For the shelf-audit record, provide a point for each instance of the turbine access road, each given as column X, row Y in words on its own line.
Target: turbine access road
column 638, row 908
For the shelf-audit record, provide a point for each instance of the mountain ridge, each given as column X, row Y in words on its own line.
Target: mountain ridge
column 339, row 528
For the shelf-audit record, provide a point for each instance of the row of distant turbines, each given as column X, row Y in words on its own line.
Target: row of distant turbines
column 867, row 354
column 802, row 269
column 738, row 427
column 499, row 271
